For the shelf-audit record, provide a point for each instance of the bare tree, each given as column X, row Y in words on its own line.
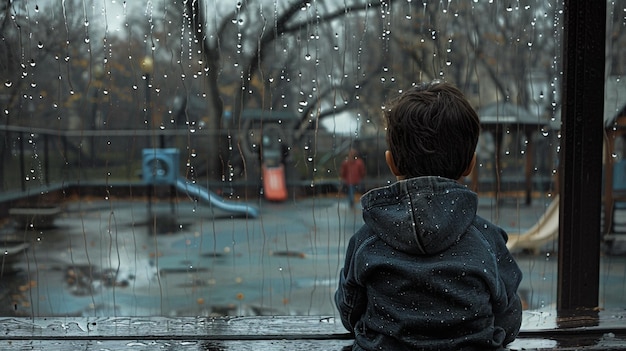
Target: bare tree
column 298, row 57
column 616, row 38
column 39, row 45
column 310, row 59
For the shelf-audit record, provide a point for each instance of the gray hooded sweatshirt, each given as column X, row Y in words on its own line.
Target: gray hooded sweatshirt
column 426, row 273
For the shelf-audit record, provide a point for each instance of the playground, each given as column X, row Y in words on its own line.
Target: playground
column 178, row 249
column 119, row 257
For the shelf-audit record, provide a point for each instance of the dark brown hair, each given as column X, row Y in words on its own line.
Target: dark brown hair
column 432, row 130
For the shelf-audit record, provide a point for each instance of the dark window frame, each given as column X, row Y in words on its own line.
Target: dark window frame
column 581, row 155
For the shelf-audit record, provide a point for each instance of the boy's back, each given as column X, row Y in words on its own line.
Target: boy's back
column 425, row 272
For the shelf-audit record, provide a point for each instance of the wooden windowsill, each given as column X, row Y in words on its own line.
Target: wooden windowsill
column 607, row 331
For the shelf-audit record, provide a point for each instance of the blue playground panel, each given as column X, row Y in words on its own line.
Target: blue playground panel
column 160, row 166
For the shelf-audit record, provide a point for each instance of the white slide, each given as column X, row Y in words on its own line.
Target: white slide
column 544, row 231
column 215, row 200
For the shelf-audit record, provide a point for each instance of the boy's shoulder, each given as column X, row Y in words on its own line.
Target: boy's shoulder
column 365, row 239
column 492, row 234
column 364, row 234
column 486, row 226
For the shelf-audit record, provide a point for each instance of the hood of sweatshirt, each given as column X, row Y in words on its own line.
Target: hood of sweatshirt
column 423, row 215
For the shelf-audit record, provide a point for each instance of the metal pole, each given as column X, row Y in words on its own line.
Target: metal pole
column 148, row 111
column 94, row 113
column 22, row 162
column 46, row 159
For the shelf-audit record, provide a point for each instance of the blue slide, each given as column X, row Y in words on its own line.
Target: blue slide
column 213, row 199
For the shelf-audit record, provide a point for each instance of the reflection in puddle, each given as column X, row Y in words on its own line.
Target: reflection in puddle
column 295, row 254
column 86, row 280
column 165, row 271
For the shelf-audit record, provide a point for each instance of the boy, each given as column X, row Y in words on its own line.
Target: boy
column 425, row 272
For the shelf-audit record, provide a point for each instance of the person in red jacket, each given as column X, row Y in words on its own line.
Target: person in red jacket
column 352, row 174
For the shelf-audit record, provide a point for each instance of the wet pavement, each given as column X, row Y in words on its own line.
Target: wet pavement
column 120, row 257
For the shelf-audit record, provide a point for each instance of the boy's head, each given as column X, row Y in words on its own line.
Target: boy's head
column 431, row 131
column 352, row 154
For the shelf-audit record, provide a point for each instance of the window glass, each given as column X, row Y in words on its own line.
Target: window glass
column 183, row 158
column 612, row 273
